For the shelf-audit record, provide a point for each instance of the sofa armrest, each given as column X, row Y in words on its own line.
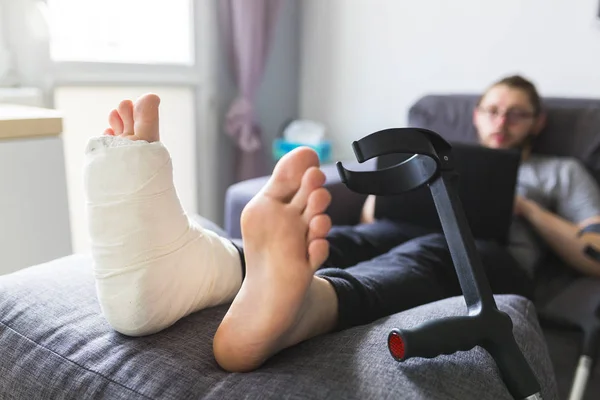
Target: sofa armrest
column 345, row 207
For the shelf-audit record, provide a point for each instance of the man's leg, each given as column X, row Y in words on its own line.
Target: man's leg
column 152, row 264
column 350, row 245
column 417, row 272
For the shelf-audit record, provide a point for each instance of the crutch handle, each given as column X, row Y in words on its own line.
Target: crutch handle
column 441, row 336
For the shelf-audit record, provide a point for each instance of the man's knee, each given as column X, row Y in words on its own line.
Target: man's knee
column 428, row 251
column 435, row 241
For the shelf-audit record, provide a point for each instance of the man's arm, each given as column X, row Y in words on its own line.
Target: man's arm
column 562, row 235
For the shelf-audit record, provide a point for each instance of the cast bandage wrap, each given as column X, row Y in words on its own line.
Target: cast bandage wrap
column 152, row 264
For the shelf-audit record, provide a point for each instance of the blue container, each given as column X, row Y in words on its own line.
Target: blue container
column 281, row 147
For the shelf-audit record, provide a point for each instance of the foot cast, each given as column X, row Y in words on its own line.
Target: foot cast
column 153, row 265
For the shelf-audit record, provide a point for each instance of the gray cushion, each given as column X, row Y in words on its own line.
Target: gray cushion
column 55, row 345
column 572, row 129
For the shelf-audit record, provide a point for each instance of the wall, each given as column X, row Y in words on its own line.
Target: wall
column 365, row 62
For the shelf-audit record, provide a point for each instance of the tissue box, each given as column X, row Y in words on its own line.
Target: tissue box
column 282, row 146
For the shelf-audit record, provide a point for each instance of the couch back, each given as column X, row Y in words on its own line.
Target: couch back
column 572, row 128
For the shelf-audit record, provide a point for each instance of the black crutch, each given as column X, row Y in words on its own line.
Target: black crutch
column 485, row 325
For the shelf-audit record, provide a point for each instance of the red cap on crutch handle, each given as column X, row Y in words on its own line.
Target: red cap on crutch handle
column 396, row 345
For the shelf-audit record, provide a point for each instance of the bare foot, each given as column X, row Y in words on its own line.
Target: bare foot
column 281, row 302
column 137, row 121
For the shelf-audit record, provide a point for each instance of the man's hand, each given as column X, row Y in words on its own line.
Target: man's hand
column 560, row 234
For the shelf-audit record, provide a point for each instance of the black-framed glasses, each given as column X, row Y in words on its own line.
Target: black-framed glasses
column 513, row 116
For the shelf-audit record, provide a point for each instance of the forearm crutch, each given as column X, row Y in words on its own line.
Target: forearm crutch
column 484, row 325
column 579, row 306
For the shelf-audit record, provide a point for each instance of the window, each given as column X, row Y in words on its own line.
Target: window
column 103, row 51
column 121, row 31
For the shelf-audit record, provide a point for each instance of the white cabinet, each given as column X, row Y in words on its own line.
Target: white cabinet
column 34, row 212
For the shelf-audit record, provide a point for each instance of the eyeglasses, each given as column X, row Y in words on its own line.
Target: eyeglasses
column 512, row 116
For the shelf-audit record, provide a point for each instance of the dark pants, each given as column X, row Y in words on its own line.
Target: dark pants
column 386, row 267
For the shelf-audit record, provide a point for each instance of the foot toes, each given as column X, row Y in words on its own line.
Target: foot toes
column 288, row 173
column 319, row 227
column 317, row 203
column 125, row 110
column 115, row 122
column 145, row 115
column 318, row 251
column 312, row 180
column 146, row 105
column 109, row 132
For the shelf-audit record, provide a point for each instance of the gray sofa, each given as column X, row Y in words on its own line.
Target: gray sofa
column 54, row 343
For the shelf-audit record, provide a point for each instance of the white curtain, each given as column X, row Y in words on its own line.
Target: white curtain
column 7, row 72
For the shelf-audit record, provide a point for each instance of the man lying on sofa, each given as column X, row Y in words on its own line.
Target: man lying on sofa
column 296, row 276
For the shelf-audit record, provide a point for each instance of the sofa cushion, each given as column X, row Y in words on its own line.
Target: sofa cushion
column 54, row 343
column 572, row 128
